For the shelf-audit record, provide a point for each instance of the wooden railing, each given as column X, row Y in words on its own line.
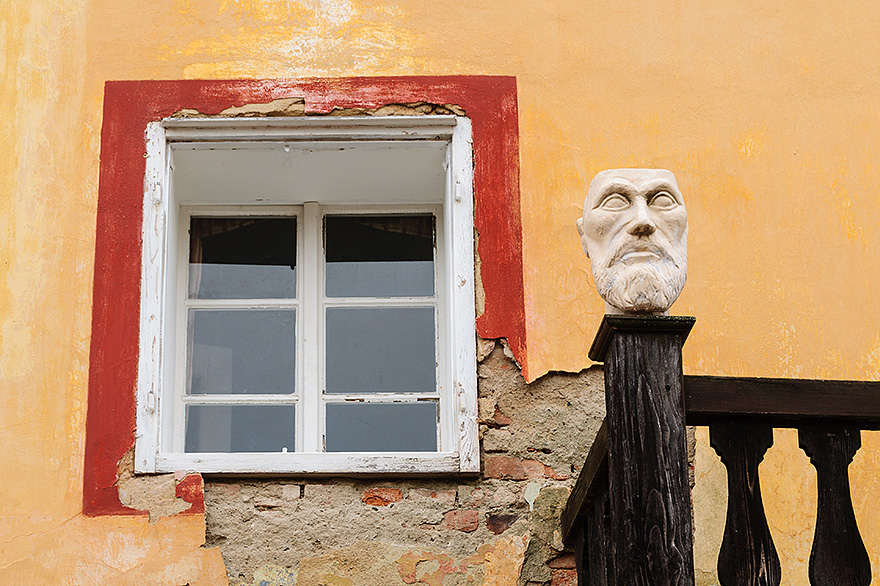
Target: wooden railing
column 627, row 516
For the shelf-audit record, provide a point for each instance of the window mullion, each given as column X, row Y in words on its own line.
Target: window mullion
column 311, row 321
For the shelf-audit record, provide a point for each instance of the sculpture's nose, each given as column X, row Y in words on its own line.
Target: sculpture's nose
column 642, row 224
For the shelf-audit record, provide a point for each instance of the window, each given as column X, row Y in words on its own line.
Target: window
column 307, row 297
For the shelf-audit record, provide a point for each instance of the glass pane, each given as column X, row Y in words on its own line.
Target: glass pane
column 240, row 428
column 242, row 258
column 241, row 351
column 380, row 349
column 384, row 427
column 379, row 256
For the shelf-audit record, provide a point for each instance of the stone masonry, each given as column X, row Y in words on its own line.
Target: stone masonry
column 500, row 528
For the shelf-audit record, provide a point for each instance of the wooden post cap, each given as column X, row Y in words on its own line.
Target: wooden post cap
column 673, row 324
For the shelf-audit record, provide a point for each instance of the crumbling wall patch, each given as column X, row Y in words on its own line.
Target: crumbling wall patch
column 500, row 528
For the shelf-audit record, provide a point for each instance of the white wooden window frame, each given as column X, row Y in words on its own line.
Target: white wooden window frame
column 158, row 445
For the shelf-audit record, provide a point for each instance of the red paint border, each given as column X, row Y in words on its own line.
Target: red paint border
column 490, row 102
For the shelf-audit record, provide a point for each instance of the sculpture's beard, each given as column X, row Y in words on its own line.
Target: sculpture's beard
column 641, row 285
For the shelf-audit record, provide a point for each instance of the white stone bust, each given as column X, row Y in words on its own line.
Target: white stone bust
column 634, row 231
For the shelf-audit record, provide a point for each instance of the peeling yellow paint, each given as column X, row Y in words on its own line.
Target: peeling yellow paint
column 710, row 506
column 293, row 38
column 850, row 222
column 116, row 550
column 751, row 145
column 155, row 493
column 870, row 361
column 505, row 561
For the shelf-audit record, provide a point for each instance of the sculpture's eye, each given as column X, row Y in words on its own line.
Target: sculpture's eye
column 663, row 201
column 614, row 202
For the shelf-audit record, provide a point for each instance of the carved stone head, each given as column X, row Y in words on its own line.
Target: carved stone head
column 634, row 231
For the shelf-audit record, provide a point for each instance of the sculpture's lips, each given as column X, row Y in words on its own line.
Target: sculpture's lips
column 636, row 255
column 642, row 253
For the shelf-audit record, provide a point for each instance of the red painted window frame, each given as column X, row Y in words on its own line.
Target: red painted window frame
column 489, row 101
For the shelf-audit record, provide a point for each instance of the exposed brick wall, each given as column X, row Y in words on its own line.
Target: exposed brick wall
column 501, row 528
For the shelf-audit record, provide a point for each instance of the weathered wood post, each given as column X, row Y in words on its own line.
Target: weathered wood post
column 649, row 490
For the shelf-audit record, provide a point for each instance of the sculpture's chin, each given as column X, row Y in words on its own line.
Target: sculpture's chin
column 644, row 288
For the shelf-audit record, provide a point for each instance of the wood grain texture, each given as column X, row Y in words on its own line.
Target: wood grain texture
column 593, row 473
column 460, row 201
column 668, row 324
column 152, row 316
column 598, row 531
column 786, row 402
column 581, row 554
column 649, row 533
column 315, row 463
column 748, row 556
column 591, row 545
column 838, row 557
column 649, row 493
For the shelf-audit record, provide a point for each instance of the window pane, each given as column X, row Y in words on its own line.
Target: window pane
column 242, row 258
column 379, row 256
column 240, row 428
column 380, row 349
column 388, row 427
column 241, row 351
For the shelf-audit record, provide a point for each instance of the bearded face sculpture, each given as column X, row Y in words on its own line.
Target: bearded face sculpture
column 634, row 231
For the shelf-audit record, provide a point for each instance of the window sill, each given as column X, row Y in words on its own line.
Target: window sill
column 405, row 463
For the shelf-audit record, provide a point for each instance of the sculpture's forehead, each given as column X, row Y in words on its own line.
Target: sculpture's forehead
column 637, row 178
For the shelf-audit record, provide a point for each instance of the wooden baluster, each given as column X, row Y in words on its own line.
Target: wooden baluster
column 585, row 516
column 591, row 550
column 582, row 554
column 599, row 551
column 838, row 557
column 747, row 557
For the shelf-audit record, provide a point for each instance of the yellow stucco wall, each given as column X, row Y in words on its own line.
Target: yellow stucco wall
column 767, row 112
